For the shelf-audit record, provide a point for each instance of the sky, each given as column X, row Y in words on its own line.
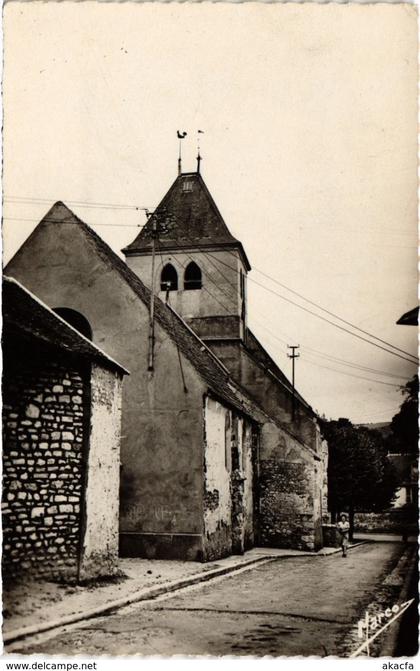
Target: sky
column 309, row 149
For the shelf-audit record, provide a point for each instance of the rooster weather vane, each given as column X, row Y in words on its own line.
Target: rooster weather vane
column 181, row 135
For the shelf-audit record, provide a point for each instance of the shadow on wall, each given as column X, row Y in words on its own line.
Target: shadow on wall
column 75, row 319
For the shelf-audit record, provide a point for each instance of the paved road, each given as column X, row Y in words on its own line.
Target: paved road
column 297, row 606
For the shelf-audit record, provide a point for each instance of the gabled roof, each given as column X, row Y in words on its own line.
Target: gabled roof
column 24, row 313
column 190, row 218
column 255, row 348
column 410, row 318
column 210, row 369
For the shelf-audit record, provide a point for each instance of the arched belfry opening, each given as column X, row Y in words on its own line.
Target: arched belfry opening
column 169, row 278
column 192, row 277
column 75, row 319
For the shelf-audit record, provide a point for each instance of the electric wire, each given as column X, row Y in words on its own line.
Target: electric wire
column 22, row 200
column 296, row 293
column 173, row 324
column 225, row 307
column 332, row 314
column 209, row 255
column 307, row 360
column 138, row 226
column 328, row 321
column 356, row 335
column 333, row 358
column 360, row 377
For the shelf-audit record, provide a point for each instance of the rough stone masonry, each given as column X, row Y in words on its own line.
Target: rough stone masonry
column 42, row 468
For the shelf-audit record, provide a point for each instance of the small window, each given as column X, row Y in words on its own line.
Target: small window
column 169, row 278
column 192, row 278
column 187, row 185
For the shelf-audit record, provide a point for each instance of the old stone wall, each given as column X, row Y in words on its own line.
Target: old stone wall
column 393, row 521
column 287, row 485
column 324, row 458
column 42, row 465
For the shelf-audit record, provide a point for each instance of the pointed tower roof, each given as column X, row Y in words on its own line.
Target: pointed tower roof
column 190, row 218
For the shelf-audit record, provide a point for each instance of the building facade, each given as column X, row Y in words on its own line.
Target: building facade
column 61, row 445
column 202, row 270
column 212, row 460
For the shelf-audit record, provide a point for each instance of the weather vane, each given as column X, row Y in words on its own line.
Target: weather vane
column 181, row 134
column 198, row 149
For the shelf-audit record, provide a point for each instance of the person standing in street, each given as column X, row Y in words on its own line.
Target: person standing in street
column 343, row 528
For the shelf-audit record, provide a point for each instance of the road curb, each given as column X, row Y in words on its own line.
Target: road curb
column 151, row 593
column 141, row 595
column 336, row 550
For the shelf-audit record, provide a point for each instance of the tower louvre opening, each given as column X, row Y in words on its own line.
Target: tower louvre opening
column 192, row 277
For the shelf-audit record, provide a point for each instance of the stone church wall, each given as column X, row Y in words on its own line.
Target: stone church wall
column 289, row 510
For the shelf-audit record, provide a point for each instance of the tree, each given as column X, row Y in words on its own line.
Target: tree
column 360, row 477
column 404, row 425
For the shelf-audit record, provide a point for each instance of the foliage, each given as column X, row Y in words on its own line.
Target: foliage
column 360, row 477
column 404, row 425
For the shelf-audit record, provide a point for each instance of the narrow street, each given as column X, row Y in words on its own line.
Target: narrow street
column 296, row 606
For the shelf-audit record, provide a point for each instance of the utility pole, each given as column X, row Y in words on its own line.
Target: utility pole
column 293, row 356
column 161, row 224
column 152, row 298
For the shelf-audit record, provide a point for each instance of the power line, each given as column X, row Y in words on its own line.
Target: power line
column 261, row 285
column 308, row 361
column 74, row 223
column 342, row 328
column 208, row 255
column 311, row 311
column 203, row 286
column 328, row 321
column 185, row 388
column 359, row 377
column 23, row 200
column 351, row 364
column 329, row 312
column 336, row 370
column 288, row 300
column 82, row 203
column 367, row 369
column 335, row 359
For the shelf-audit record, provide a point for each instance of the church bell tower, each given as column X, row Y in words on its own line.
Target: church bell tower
column 200, row 269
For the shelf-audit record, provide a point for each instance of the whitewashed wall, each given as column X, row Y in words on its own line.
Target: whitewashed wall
column 99, row 551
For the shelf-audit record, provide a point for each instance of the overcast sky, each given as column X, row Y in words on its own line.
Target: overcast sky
column 309, row 113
